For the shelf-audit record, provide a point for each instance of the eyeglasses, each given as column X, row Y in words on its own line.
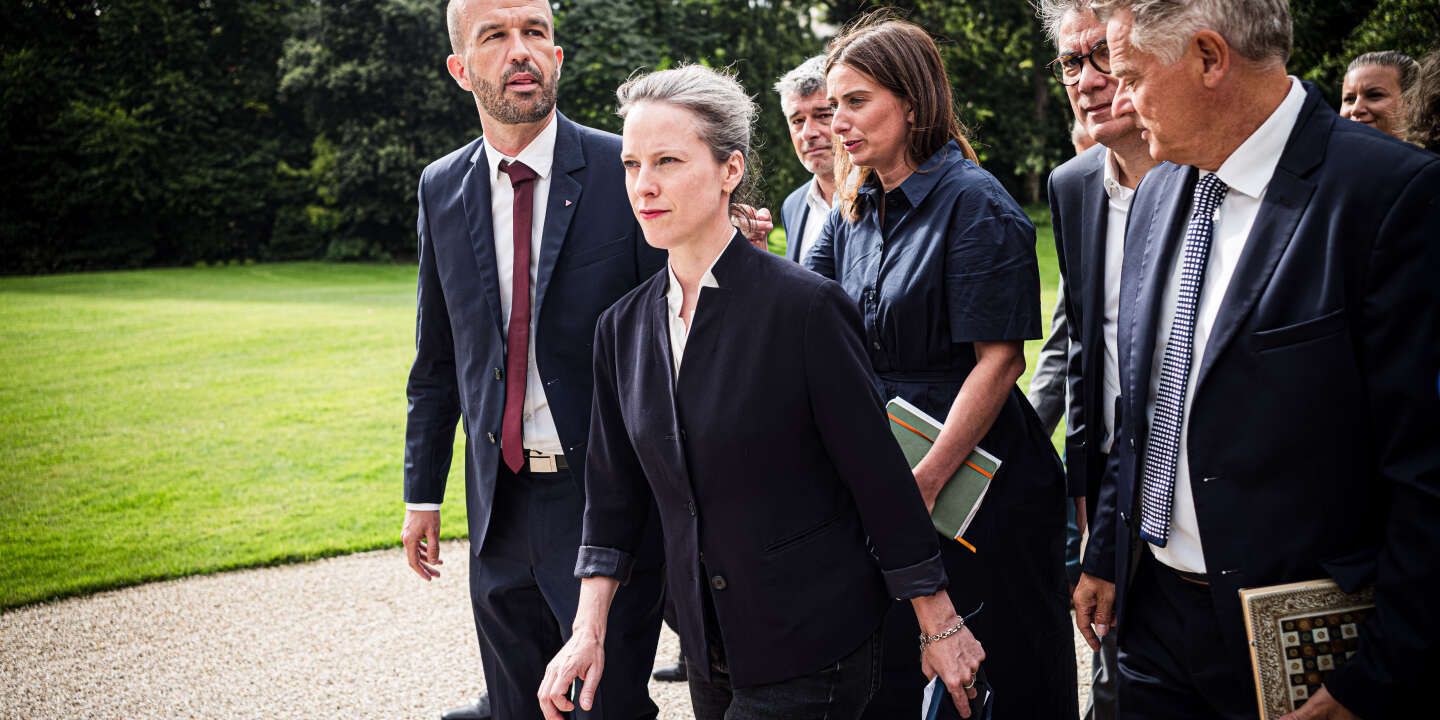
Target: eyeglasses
column 1067, row 67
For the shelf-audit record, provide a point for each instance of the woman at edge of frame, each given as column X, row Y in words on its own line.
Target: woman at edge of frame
column 734, row 389
column 941, row 262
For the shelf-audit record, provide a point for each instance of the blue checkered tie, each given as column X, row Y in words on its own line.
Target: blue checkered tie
column 1162, row 451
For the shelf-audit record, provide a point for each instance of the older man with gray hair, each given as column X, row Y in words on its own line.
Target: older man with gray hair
column 1278, row 348
column 807, row 116
column 1090, row 200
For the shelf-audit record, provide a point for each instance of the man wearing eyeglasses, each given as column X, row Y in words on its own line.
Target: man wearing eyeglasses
column 1089, row 202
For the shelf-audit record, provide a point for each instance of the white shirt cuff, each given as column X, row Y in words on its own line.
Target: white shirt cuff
column 423, row 506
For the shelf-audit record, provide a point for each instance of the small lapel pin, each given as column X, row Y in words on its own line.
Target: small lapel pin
column 567, row 203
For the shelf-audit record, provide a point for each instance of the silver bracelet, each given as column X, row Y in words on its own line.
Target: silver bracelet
column 927, row 640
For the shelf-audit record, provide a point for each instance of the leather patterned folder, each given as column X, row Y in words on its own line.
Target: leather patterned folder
column 1299, row 633
column 961, row 497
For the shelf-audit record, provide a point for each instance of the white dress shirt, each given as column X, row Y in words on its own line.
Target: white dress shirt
column 1118, row 208
column 538, row 425
column 675, row 299
column 1247, row 172
column 819, row 210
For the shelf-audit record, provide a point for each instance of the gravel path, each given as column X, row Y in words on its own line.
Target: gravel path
column 350, row 637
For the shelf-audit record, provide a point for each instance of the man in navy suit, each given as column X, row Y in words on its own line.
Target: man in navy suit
column 526, row 236
column 807, row 116
column 1277, row 338
column 1089, row 201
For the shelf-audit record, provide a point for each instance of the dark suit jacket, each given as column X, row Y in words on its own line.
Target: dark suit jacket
column 591, row 254
column 794, row 214
column 1079, row 214
column 770, row 460
column 1314, row 433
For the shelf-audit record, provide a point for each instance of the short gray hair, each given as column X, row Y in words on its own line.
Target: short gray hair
column 1052, row 14
column 724, row 114
column 805, row 80
column 1259, row 30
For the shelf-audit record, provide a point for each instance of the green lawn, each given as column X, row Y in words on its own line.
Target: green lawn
column 162, row 423
column 167, row 422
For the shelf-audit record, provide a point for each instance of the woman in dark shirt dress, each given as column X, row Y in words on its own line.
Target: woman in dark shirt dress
column 941, row 261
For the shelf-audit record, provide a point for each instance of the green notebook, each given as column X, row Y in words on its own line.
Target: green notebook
column 961, row 497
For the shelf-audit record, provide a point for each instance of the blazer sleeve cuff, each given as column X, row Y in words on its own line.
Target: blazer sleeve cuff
column 926, row 577
column 595, row 561
column 1099, row 561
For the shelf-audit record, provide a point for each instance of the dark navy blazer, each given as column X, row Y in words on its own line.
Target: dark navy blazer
column 1079, row 214
column 1314, row 438
column 794, row 215
column 771, row 462
column 592, row 253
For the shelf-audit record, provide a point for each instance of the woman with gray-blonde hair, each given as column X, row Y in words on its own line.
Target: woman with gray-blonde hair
column 733, row 392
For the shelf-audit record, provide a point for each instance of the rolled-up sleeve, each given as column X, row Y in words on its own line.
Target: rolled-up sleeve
column 851, row 420
column 926, row 577
column 603, row 561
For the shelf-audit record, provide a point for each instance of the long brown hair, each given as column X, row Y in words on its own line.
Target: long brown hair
column 902, row 58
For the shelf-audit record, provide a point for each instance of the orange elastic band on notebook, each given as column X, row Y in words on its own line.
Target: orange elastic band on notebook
column 911, row 428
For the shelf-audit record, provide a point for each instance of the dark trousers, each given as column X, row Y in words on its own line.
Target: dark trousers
column 1173, row 662
column 1103, row 669
column 524, row 594
column 838, row 691
column 1024, row 627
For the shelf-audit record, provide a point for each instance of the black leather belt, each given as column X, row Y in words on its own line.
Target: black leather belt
column 1193, row 578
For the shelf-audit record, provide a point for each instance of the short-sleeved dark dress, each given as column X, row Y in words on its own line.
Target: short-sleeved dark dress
column 948, row 261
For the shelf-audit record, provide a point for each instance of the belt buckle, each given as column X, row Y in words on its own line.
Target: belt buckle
column 541, row 463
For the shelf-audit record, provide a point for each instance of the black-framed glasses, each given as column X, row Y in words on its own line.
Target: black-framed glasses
column 1067, row 67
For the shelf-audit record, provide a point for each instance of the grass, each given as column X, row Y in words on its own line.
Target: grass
column 162, row 423
column 167, row 422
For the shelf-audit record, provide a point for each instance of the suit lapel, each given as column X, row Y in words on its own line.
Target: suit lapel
column 1092, row 262
column 565, row 192
column 475, row 195
column 1156, row 252
column 793, row 242
column 660, row 335
column 1284, row 202
column 793, row 245
column 708, row 329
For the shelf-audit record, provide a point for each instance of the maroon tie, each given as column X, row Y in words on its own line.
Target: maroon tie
column 517, row 341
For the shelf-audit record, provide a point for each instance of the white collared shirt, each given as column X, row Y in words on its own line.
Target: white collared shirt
column 538, row 424
column 1247, row 172
column 819, row 210
column 1117, row 209
column 675, row 299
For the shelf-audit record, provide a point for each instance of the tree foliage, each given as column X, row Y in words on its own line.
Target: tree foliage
column 157, row 132
column 140, row 132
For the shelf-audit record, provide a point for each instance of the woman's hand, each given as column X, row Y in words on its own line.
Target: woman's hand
column 930, row 482
column 956, row 659
column 583, row 656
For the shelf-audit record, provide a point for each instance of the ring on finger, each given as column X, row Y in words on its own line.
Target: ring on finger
column 971, row 686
